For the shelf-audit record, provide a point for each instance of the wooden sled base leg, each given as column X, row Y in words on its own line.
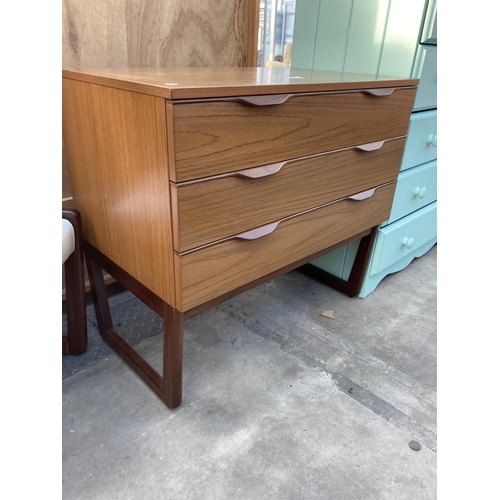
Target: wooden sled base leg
column 168, row 386
column 352, row 285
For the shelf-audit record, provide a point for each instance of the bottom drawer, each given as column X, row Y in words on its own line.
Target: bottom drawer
column 403, row 237
column 216, row 269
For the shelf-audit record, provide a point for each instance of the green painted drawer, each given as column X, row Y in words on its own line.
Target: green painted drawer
column 416, row 188
column 399, row 239
column 421, row 143
column 426, row 69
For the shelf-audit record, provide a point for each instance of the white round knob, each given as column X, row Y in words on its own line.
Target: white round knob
column 420, row 192
column 408, row 242
column 432, row 140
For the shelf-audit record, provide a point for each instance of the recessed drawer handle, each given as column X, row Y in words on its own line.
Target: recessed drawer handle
column 259, row 232
column 432, row 140
column 379, row 92
column 408, row 242
column 269, row 228
column 372, row 146
column 264, row 100
column 255, row 173
column 362, row 196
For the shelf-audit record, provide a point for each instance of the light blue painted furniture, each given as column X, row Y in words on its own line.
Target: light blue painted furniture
column 389, row 37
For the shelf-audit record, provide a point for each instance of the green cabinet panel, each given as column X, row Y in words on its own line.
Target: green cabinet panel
column 333, row 262
column 331, row 35
column 357, row 36
column 429, row 31
column 400, row 42
column 304, row 33
column 426, row 69
column 366, row 36
column 339, row 262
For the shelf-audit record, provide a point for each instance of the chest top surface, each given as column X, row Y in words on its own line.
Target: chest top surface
column 200, row 83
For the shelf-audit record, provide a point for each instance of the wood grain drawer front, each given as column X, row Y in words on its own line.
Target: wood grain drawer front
column 403, row 237
column 214, row 270
column 211, row 137
column 416, row 188
column 219, row 207
column 421, row 144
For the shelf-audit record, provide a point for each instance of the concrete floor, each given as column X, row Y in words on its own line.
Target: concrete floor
column 279, row 401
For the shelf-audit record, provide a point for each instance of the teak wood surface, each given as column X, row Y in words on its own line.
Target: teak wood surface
column 213, row 137
column 218, row 207
column 131, row 138
column 210, row 271
column 116, row 148
column 202, row 83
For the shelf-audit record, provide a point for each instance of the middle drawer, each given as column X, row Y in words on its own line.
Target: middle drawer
column 221, row 206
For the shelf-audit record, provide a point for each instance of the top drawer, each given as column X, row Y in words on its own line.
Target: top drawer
column 209, row 137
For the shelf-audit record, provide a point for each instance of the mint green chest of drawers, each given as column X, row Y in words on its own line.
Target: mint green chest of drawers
column 406, row 45
column 411, row 230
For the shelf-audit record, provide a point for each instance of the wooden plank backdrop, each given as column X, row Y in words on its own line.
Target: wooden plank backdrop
column 155, row 33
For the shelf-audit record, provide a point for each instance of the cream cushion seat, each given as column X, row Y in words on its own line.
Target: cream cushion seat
column 68, row 239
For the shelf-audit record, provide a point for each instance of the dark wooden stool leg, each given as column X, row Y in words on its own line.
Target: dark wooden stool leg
column 76, row 340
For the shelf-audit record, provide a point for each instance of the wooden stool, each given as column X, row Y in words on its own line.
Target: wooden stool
column 72, row 257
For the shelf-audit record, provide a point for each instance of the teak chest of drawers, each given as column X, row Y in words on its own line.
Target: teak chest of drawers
column 195, row 184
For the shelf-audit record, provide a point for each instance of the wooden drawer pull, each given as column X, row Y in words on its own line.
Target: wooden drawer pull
column 363, row 196
column 264, row 100
column 372, row 146
column 379, row 92
column 259, row 232
column 255, row 173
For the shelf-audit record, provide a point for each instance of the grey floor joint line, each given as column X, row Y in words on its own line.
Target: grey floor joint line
column 382, row 408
